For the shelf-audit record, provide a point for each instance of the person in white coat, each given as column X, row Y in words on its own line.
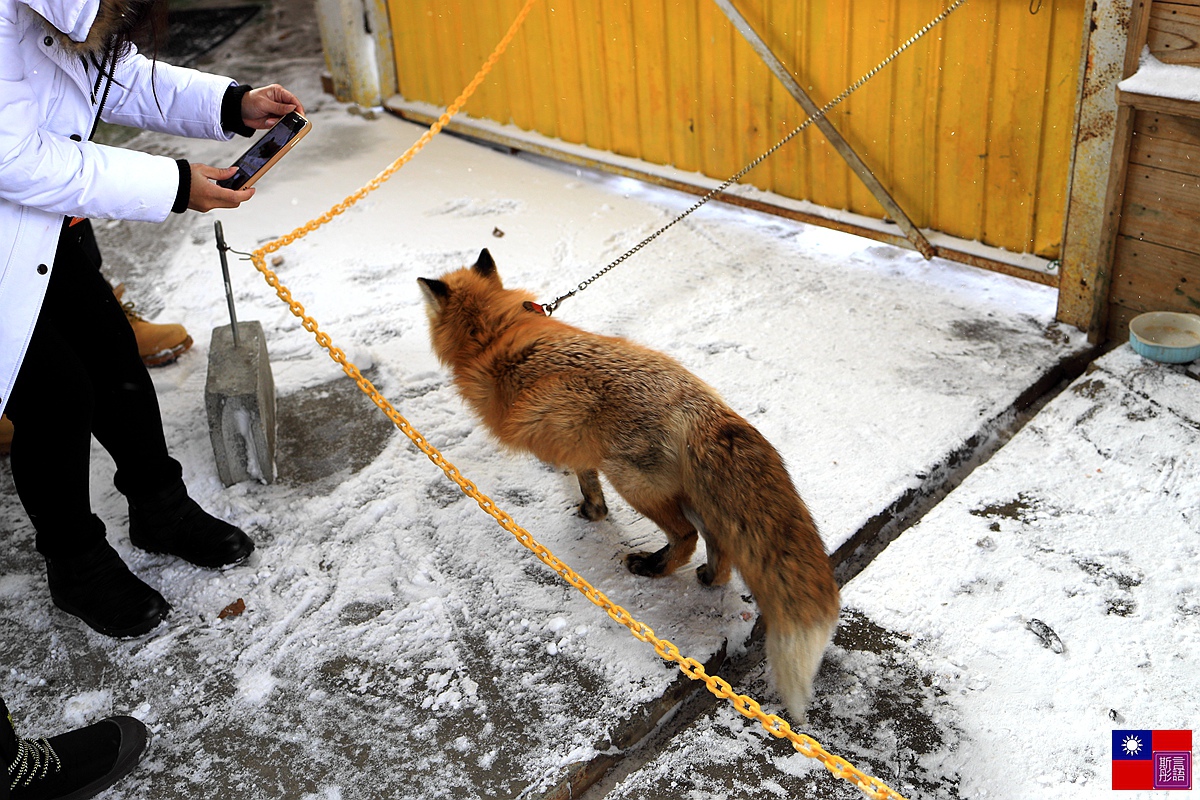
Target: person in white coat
column 69, row 365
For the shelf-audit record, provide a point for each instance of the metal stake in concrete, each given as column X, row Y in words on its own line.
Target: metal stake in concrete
column 221, row 248
column 239, row 395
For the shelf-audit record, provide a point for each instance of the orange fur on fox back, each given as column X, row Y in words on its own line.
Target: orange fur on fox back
column 663, row 438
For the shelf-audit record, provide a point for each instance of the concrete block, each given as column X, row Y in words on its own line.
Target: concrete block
column 239, row 397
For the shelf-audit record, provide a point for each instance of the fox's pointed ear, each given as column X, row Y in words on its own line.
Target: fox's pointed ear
column 485, row 266
column 436, row 292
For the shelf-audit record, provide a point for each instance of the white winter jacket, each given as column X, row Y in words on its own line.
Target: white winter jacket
column 48, row 169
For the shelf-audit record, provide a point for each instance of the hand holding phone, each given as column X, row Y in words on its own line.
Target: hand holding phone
column 266, row 105
column 267, row 151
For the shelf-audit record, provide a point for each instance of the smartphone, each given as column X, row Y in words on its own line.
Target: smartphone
column 263, row 154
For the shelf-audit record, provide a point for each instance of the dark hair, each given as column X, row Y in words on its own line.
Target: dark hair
column 149, row 28
column 131, row 22
column 140, row 23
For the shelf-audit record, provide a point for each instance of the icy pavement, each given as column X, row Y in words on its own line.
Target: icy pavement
column 396, row 642
column 991, row 650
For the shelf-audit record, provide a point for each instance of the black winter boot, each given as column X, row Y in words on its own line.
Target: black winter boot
column 95, row 585
column 171, row 522
column 75, row 765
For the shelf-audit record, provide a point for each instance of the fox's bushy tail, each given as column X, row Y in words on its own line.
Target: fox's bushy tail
column 749, row 507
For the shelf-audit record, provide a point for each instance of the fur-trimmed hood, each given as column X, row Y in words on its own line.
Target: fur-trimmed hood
column 91, row 26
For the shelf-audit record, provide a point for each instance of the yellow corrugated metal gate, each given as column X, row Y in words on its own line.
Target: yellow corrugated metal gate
column 970, row 130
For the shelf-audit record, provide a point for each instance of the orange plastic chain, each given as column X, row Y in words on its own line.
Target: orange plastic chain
column 744, row 704
column 258, row 255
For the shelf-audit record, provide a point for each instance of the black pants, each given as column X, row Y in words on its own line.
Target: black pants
column 82, row 376
column 8, row 748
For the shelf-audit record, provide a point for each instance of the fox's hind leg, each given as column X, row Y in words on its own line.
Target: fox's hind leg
column 593, row 506
column 681, row 540
column 716, row 571
column 718, row 568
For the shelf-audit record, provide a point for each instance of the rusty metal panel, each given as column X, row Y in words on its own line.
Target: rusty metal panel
column 356, row 38
column 970, row 130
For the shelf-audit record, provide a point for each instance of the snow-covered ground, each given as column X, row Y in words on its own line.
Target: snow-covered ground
column 396, row 642
column 990, row 651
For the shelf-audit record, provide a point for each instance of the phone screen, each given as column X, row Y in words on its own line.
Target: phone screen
column 266, row 150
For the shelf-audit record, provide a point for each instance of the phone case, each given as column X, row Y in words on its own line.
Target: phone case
column 300, row 134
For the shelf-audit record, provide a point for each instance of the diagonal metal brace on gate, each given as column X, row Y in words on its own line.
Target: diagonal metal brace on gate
column 839, row 142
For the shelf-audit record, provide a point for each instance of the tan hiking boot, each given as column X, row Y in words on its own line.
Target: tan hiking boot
column 6, row 430
column 158, row 345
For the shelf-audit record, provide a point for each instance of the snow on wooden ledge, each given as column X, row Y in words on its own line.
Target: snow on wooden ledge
column 1157, row 79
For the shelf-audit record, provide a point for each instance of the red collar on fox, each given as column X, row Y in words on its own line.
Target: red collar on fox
column 536, row 308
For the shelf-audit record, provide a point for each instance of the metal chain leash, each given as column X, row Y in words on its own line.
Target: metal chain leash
column 552, row 306
column 744, row 704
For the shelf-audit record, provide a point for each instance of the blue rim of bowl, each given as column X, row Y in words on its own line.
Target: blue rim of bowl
column 1163, row 353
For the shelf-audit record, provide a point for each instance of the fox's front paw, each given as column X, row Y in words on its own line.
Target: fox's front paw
column 649, row 565
column 593, row 511
column 705, row 574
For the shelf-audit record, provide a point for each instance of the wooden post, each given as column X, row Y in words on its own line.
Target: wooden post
column 1117, row 30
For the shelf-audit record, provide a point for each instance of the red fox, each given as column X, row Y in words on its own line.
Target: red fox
column 665, row 440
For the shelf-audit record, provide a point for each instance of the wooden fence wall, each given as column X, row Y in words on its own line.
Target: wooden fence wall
column 971, row 130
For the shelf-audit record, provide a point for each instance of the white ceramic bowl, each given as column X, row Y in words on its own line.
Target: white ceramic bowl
column 1166, row 336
